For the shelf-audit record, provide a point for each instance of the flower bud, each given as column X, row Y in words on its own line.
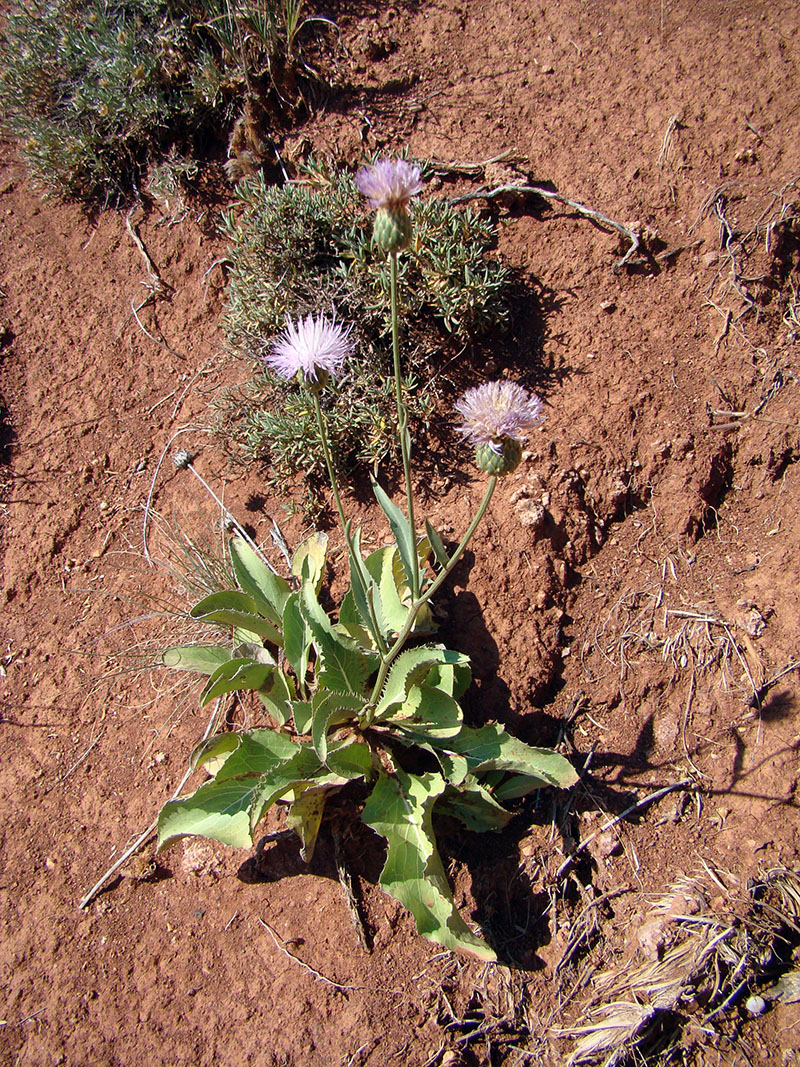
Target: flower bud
column 392, row 231
column 314, row 385
column 499, row 463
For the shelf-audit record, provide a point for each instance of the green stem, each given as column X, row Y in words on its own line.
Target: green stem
column 421, row 600
column 326, row 451
column 402, row 415
column 355, row 556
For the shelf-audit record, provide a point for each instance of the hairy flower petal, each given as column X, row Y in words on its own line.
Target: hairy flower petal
column 389, row 183
column 312, row 345
column 495, row 411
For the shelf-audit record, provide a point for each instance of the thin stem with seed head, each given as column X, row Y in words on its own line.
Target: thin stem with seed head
column 419, row 601
column 355, row 555
column 402, row 414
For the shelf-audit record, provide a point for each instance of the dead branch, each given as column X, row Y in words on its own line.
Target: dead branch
column 157, row 285
column 659, row 793
column 590, row 213
column 280, row 945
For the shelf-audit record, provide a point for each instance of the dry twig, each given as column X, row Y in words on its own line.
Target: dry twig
column 568, row 862
column 548, row 194
column 279, row 944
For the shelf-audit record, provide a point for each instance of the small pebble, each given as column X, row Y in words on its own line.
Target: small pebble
column 756, row 1005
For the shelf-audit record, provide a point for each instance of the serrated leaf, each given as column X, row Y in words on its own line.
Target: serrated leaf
column 299, row 771
column 350, row 759
column 424, row 622
column 437, row 546
column 232, row 608
column 234, row 675
column 308, row 562
column 344, row 667
column 330, row 709
column 259, row 752
column 403, row 534
column 451, row 678
column 356, row 633
column 221, row 809
column 201, row 658
column 474, row 806
column 400, row 809
column 297, row 638
column 360, row 583
column 392, row 611
column 301, row 713
column 349, row 615
column 212, row 753
column 491, row 748
column 455, row 768
column 278, row 697
column 268, row 590
column 431, row 715
column 411, row 668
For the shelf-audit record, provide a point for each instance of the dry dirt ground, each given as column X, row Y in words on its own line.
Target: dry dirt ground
column 633, row 596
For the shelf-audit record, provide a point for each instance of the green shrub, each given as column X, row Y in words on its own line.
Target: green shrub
column 94, row 90
column 306, row 246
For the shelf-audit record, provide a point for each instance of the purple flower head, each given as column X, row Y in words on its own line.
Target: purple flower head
column 495, row 411
column 389, row 184
column 315, row 346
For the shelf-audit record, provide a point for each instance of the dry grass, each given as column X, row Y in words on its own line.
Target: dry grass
column 706, row 943
column 692, row 640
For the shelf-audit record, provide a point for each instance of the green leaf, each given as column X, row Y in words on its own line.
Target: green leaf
column 344, row 667
column 278, row 696
column 350, row 759
column 255, row 651
column 431, row 715
column 392, row 611
column 400, row 809
column 212, row 753
column 454, row 768
column 300, row 770
column 330, row 709
column 301, row 713
column 232, row 608
column 358, row 586
column 409, row 669
column 259, row 752
column 403, row 534
column 221, row 809
column 515, row 786
column 297, row 638
column 491, row 748
column 308, row 563
column 452, row 678
column 234, row 675
column 354, row 630
column 268, row 590
column 437, row 546
column 474, row 806
column 201, row 658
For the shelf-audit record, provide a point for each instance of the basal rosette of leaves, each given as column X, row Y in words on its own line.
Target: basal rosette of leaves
column 308, row 246
column 331, row 724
